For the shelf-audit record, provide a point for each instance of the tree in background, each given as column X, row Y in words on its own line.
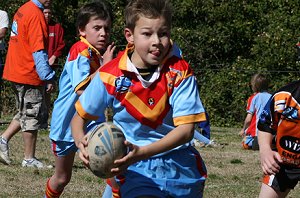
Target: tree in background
column 225, row 42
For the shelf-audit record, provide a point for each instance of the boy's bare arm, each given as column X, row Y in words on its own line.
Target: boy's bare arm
column 246, row 123
column 269, row 159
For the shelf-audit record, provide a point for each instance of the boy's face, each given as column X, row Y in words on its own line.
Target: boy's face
column 47, row 14
column 97, row 32
column 151, row 38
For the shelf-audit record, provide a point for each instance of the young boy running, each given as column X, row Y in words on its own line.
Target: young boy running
column 94, row 25
column 280, row 119
column 156, row 103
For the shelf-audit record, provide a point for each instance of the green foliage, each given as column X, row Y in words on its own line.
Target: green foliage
column 225, row 42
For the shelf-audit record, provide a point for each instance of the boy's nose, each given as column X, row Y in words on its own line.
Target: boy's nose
column 155, row 39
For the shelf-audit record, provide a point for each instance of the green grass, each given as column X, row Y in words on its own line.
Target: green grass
column 232, row 171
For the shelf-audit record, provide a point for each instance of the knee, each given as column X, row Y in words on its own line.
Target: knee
column 62, row 179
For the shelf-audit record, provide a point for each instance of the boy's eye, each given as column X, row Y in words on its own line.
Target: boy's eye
column 107, row 29
column 163, row 34
column 146, row 34
column 97, row 28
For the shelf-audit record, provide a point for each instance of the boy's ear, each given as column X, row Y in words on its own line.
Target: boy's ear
column 81, row 32
column 128, row 35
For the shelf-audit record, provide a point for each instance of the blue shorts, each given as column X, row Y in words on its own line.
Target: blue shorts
column 180, row 173
column 63, row 148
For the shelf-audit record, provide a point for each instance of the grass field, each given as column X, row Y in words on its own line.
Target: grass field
column 232, row 172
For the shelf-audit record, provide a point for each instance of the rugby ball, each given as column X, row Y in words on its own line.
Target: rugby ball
column 105, row 145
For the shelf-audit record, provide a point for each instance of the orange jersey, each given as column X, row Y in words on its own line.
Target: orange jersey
column 281, row 117
column 28, row 34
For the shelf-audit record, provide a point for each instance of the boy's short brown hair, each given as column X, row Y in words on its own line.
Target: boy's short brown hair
column 99, row 9
column 147, row 8
column 259, row 83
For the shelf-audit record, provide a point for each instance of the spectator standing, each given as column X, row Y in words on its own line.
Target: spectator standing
column 56, row 46
column 27, row 68
column 56, row 41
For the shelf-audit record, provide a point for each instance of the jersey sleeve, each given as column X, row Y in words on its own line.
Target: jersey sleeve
column 93, row 102
column 186, row 103
column 79, row 71
column 251, row 105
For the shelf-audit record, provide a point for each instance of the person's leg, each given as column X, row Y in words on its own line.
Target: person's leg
column 61, row 176
column 29, row 138
column 13, row 128
column 268, row 192
column 112, row 189
column 107, row 192
column 31, row 120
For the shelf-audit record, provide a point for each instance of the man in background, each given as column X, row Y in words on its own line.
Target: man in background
column 27, row 68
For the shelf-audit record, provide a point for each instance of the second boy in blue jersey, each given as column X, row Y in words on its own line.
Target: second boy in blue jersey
column 84, row 59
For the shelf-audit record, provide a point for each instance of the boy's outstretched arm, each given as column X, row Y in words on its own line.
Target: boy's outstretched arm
column 77, row 125
column 178, row 136
column 269, row 159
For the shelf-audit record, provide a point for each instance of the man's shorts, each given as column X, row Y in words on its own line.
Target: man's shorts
column 31, row 107
column 286, row 178
column 63, row 148
column 180, row 173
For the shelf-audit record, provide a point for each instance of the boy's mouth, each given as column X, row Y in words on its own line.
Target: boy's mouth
column 156, row 53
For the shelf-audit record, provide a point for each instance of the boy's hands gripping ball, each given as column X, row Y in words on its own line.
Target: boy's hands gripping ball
column 105, row 145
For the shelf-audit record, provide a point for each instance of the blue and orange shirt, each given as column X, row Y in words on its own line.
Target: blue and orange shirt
column 281, row 117
column 145, row 110
column 83, row 60
column 255, row 106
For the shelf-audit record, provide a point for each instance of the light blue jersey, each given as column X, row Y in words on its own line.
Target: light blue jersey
column 146, row 111
column 81, row 62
